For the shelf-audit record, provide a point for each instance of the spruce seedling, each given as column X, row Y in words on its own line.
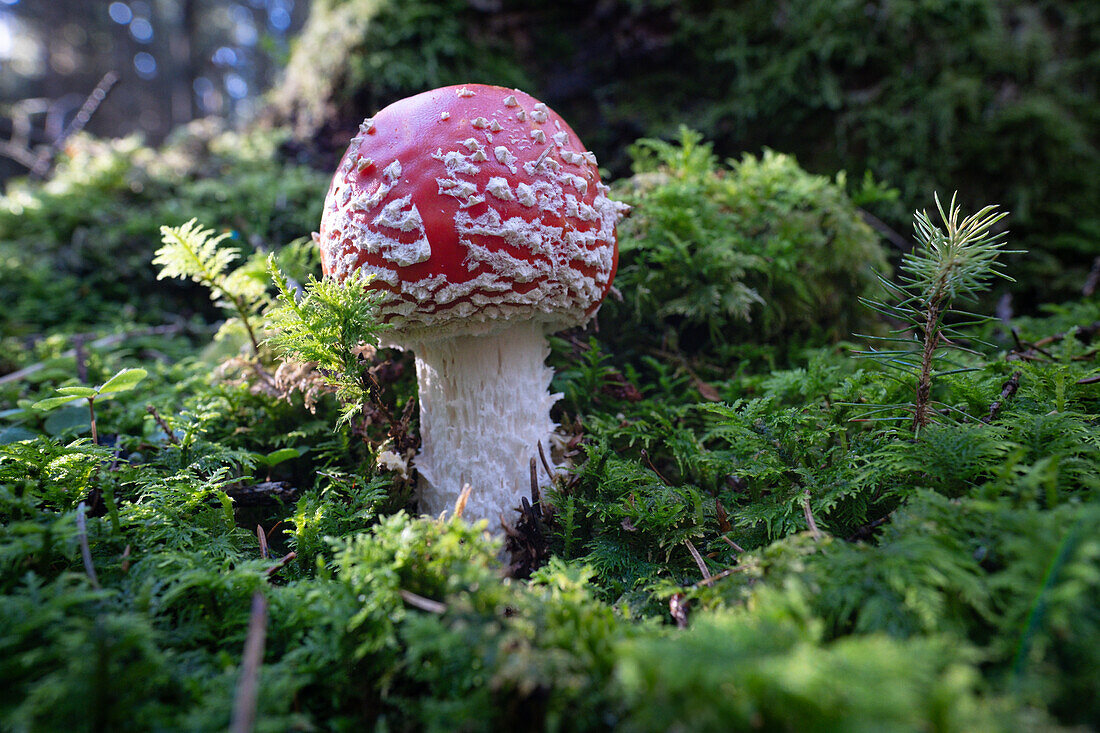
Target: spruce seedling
column 948, row 265
column 190, row 251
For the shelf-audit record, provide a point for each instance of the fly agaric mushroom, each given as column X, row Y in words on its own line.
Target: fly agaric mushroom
column 483, row 221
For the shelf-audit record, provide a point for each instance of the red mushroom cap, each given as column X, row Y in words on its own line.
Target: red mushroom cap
column 470, row 205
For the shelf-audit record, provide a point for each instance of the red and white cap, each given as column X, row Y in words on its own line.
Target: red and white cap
column 472, row 205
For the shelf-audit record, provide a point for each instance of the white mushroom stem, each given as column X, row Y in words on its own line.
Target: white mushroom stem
column 484, row 408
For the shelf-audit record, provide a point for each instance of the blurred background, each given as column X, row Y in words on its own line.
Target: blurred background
column 175, row 60
column 892, row 99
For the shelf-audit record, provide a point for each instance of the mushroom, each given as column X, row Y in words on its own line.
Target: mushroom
column 482, row 219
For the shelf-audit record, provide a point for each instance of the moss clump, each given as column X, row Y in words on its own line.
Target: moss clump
column 757, row 251
column 355, row 56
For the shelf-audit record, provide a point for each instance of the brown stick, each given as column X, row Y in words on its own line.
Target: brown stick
column 1007, row 390
column 884, row 229
column 81, row 358
column 85, row 551
column 91, row 414
column 810, row 516
column 545, row 463
column 281, row 564
column 162, row 425
column 1093, row 279
column 424, row 604
column 731, row 543
column 263, row 541
column 698, row 559
column 645, row 457
column 718, row 576
column 244, row 702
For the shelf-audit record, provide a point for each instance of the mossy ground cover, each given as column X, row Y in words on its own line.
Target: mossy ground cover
column 738, row 545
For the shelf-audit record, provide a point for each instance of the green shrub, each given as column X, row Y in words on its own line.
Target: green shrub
column 760, row 251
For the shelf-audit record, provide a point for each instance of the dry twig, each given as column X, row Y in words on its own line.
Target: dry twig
column 85, row 551
column 162, row 425
column 281, row 564
column 263, row 541
column 718, row 576
column 45, row 159
column 810, row 516
column 111, row 340
column 698, row 559
column 424, row 604
column 1007, row 390
column 545, row 463
column 248, row 686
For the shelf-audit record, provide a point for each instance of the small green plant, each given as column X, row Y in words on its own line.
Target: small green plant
column 190, row 251
column 948, row 265
column 123, row 381
column 330, row 325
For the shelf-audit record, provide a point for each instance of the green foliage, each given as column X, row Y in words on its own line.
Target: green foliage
column 997, row 98
column 777, row 675
column 762, row 250
column 356, row 56
column 123, row 381
column 76, row 249
column 858, row 579
column 329, row 326
column 192, row 252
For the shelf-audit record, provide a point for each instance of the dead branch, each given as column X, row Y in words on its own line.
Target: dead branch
column 732, row 544
column 267, row 492
column 1093, row 280
column 162, row 425
column 645, row 457
column 718, row 576
column 545, row 463
column 262, row 537
column 884, row 229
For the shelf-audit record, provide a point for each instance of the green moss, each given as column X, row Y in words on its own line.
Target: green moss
column 757, row 251
column 77, row 248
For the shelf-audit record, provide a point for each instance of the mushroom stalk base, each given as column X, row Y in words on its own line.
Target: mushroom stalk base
column 484, row 407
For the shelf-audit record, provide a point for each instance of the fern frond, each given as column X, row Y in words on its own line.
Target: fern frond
column 190, row 251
